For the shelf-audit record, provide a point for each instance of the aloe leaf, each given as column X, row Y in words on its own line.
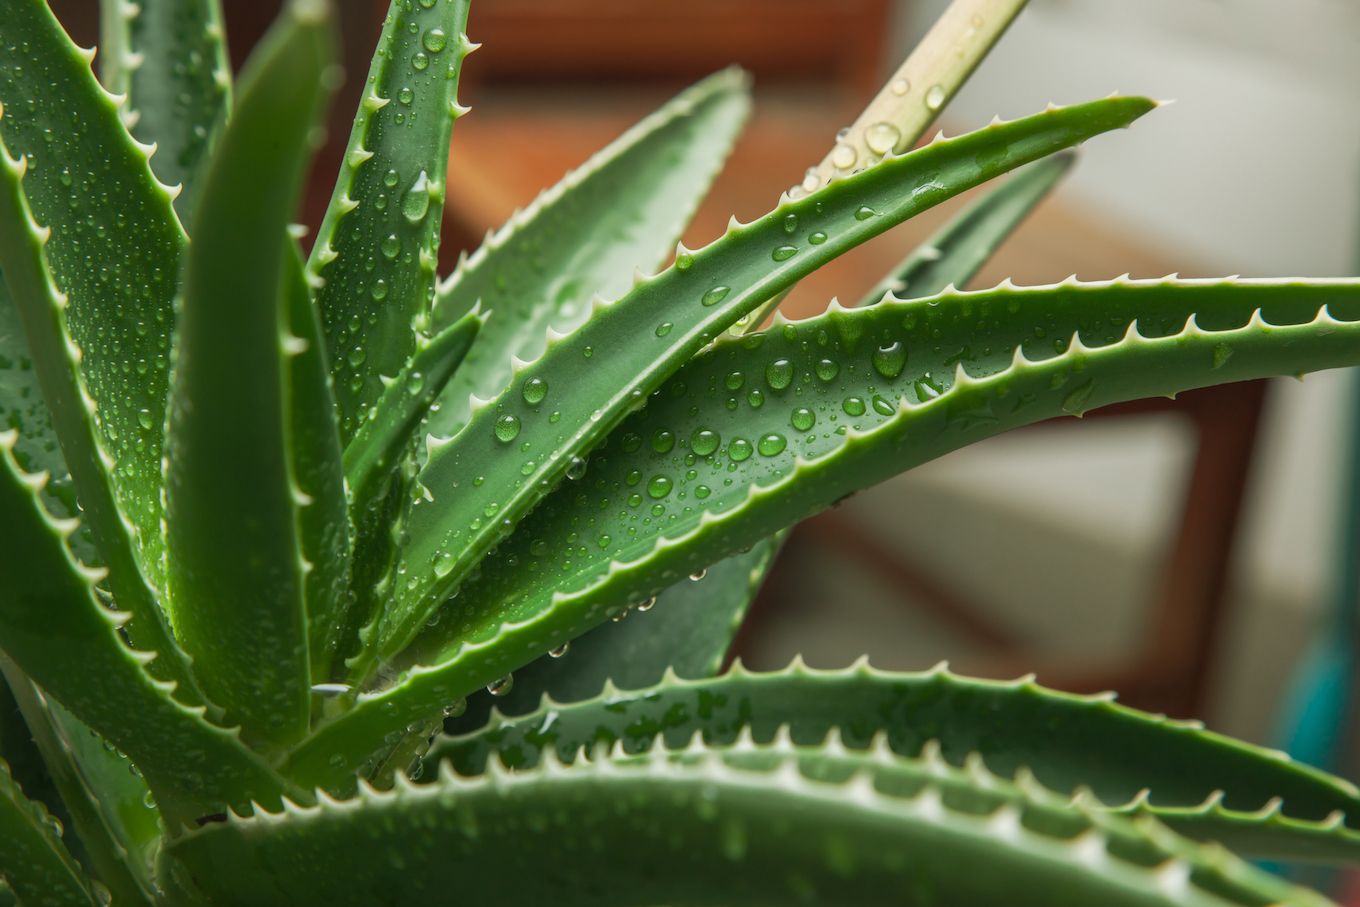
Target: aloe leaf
column 193, row 768
column 236, row 566
column 43, row 312
column 324, row 527
column 624, row 208
column 689, row 633
column 377, row 248
column 105, row 803
column 634, row 654
column 745, row 825
column 834, row 404
column 545, row 587
column 91, row 184
column 960, row 248
column 33, row 860
column 170, row 58
column 23, row 409
column 520, row 444
column 406, row 400
column 1071, row 744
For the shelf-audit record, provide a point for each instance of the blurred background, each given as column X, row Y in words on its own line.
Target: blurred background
column 1183, row 553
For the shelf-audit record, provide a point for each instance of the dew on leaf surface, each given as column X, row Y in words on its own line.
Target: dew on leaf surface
column 703, row 442
column 507, row 427
column 535, row 389
column 779, row 374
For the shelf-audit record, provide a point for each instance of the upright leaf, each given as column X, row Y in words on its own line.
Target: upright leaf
column 324, row 527
column 921, row 87
column 377, row 247
column 236, row 564
column 115, row 250
column 624, row 208
column 50, row 620
column 518, row 446
column 170, row 58
column 394, row 420
column 44, row 311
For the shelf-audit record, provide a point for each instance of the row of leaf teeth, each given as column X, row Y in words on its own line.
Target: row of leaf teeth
column 1173, row 874
column 710, row 522
column 495, row 239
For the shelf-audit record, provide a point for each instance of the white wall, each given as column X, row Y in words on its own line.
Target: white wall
column 1255, row 170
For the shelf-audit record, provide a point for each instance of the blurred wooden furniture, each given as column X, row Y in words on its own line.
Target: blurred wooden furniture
column 803, row 40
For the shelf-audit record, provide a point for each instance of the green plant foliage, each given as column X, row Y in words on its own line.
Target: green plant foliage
column 326, row 504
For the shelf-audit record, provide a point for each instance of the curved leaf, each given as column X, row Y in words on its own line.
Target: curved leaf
column 376, row 249
column 745, row 825
column 91, row 184
column 44, row 312
column 518, row 446
column 50, row 620
column 235, row 560
column 1067, row 740
column 816, row 410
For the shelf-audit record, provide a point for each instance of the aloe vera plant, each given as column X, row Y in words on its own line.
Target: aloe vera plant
column 267, row 519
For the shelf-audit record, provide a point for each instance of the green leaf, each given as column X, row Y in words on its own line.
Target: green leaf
column 91, row 184
column 324, row 526
column 170, row 58
column 689, row 631
column 519, row 445
column 394, row 419
column 531, row 597
column 624, row 208
column 105, row 804
column 694, row 625
column 33, row 860
column 51, row 620
column 23, row 409
column 1069, row 743
column 236, row 566
column 44, row 312
column 377, row 246
column 744, row 825
column 831, row 405
column 960, row 248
